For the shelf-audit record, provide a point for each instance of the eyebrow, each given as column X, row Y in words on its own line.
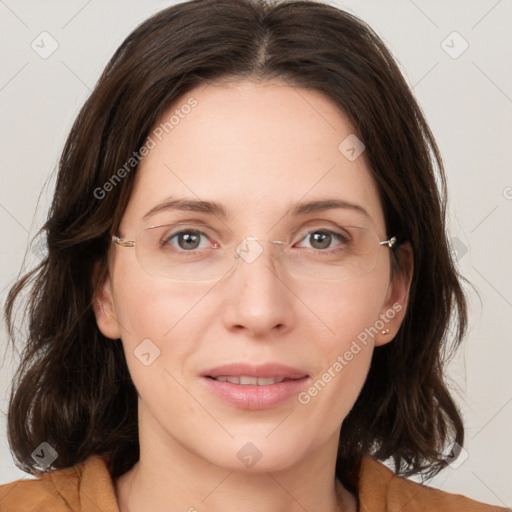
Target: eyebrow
column 190, row 205
column 214, row 208
column 307, row 207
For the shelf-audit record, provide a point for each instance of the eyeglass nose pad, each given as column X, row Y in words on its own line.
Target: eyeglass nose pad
column 251, row 248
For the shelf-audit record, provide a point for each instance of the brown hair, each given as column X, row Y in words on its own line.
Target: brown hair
column 73, row 389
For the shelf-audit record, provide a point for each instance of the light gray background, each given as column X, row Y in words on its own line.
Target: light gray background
column 467, row 101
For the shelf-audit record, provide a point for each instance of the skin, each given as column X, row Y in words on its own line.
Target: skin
column 256, row 148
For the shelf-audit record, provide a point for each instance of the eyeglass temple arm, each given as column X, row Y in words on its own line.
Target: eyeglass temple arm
column 390, row 242
column 123, row 243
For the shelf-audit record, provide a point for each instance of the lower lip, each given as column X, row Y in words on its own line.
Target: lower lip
column 251, row 397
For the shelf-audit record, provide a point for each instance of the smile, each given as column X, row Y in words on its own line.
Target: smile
column 249, row 381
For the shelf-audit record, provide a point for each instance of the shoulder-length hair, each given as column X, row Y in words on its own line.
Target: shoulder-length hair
column 73, row 389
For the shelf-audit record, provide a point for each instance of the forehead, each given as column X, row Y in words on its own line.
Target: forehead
column 255, row 148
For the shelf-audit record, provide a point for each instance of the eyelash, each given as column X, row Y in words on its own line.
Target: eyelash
column 344, row 239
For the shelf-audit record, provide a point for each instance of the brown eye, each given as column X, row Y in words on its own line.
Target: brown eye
column 320, row 239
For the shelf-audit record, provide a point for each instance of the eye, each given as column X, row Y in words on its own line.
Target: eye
column 186, row 240
column 324, row 239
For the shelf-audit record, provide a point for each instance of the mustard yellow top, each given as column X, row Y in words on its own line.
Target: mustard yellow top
column 88, row 487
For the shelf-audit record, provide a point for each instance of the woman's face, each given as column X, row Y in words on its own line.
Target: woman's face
column 259, row 151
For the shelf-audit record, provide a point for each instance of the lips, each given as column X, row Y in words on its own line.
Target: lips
column 245, row 380
column 251, row 387
column 276, row 371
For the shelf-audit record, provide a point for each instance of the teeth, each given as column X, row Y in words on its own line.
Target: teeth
column 253, row 381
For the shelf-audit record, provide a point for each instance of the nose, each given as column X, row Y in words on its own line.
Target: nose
column 260, row 300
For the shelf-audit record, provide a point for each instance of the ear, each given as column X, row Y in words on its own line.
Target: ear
column 397, row 297
column 103, row 306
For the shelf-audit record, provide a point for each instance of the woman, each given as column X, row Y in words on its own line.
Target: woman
column 248, row 284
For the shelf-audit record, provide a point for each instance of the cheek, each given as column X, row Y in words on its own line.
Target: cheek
column 148, row 306
column 345, row 310
column 158, row 318
column 349, row 315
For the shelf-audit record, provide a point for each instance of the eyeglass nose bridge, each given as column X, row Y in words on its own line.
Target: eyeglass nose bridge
column 250, row 249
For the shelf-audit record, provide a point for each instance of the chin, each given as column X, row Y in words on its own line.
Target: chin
column 255, row 453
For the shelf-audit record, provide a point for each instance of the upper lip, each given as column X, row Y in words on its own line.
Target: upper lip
column 267, row 370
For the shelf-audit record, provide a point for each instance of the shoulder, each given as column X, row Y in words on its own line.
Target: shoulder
column 64, row 490
column 380, row 489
